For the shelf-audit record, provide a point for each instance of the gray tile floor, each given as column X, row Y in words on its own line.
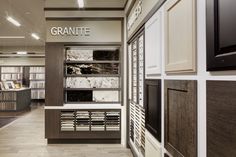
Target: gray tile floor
column 25, row 138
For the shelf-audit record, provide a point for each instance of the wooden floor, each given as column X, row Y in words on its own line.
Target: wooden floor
column 25, row 138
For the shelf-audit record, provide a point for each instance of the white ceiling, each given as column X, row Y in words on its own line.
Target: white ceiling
column 88, row 3
column 30, row 14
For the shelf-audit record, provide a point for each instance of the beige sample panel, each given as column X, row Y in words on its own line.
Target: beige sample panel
column 152, row 149
column 180, row 38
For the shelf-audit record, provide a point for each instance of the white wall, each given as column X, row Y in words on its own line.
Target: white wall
column 23, row 61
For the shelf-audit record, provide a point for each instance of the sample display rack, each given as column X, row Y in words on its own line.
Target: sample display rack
column 136, row 109
column 37, row 82
column 92, row 75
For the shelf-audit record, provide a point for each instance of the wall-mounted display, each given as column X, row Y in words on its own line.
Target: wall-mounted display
column 181, row 117
column 136, row 77
column 180, row 36
column 221, row 118
column 221, row 35
column 153, row 45
column 92, row 75
column 153, row 107
column 37, row 82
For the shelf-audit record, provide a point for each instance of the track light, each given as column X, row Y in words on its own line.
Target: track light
column 81, row 3
column 13, row 21
column 35, row 36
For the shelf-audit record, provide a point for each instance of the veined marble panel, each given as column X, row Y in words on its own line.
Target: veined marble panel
column 99, row 68
column 79, row 55
column 106, row 96
column 92, row 82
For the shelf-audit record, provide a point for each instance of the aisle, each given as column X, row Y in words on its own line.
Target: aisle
column 25, row 138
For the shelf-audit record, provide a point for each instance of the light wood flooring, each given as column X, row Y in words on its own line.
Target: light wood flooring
column 25, row 138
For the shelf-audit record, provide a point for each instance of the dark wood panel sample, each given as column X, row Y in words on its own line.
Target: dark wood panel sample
column 221, row 118
column 153, row 107
column 54, row 90
column 181, row 118
column 221, row 34
column 166, row 155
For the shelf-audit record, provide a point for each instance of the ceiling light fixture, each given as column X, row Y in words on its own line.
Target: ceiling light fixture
column 81, row 3
column 13, row 21
column 12, row 37
column 35, row 36
column 21, row 53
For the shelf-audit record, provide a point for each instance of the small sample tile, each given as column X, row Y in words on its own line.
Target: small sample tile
column 102, row 68
column 92, row 82
column 79, row 55
column 106, row 96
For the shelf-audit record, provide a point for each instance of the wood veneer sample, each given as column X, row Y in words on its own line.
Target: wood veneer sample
column 166, row 155
column 221, row 118
column 181, row 118
column 180, row 36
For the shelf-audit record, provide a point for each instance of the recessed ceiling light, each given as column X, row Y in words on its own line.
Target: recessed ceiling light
column 35, row 36
column 12, row 37
column 21, row 52
column 81, row 3
column 13, row 21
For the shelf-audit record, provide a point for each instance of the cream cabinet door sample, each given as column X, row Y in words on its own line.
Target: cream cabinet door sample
column 153, row 47
column 180, row 36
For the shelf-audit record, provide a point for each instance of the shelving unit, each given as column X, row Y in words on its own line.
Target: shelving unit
column 92, row 75
column 37, row 82
column 136, row 109
column 13, row 73
column 90, row 121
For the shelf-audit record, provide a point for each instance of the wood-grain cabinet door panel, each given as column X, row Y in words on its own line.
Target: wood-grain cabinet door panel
column 221, row 118
column 181, row 118
column 180, row 36
column 153, row 45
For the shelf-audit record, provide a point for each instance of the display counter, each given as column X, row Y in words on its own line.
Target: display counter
column 15, row 99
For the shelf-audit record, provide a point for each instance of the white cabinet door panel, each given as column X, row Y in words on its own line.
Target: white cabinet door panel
column 153, row 45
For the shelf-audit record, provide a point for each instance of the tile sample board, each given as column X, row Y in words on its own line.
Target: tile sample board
column 221, row 35
column 180, row 36
column 221, row 118
column 181, row 117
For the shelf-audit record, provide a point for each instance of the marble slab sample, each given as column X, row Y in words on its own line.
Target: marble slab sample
column 79, row 55
column 101, row 68
column 92, row 82
column 79, row 96
column 106, row 55
column 106, row 96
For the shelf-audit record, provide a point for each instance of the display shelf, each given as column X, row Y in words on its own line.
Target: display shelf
column 80, row 62
column 92, row 75
column 90, row 120
column 37, row 82
column 88, row 75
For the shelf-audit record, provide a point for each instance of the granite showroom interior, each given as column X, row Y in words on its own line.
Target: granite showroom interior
column 120, row 78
